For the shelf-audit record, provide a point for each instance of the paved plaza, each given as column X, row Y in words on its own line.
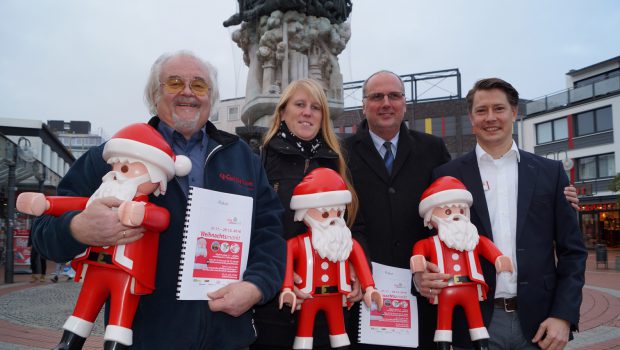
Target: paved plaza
column 32, row 314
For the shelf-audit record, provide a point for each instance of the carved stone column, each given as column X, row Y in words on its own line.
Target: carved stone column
column 296, row 40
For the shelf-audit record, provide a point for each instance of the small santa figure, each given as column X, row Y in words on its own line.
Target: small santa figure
column 322, row 257
column 142, row 163
column 455, row 250
column 201, row 261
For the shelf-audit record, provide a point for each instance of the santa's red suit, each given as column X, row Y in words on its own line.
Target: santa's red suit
column 467, row 285
column 325, row 280
column 121, row 273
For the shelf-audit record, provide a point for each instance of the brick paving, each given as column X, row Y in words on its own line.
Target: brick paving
column 32, row 314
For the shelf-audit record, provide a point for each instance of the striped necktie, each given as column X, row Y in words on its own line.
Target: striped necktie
column 388, row 158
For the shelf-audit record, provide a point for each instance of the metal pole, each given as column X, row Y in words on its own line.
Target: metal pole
column 10, row 221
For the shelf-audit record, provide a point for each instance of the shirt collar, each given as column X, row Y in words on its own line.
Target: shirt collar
column 378, row 141
column 482, row 154
column 170, row 135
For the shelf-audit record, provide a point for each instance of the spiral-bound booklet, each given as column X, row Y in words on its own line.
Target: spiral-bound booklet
column 397, row 322
column 216, row 242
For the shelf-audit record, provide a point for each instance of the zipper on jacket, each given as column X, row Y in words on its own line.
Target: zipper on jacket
column 211, row 153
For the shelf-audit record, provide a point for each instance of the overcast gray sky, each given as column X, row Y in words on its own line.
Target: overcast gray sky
column 88, row 60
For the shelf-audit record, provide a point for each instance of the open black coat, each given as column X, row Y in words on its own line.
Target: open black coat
column 389, row 203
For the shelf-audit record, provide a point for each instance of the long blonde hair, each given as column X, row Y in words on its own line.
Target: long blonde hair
column 315, row 90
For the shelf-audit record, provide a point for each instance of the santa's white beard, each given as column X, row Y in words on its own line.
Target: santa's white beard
column 460, row 234
column 115, row 184
column 331, row 241
column 201, row 251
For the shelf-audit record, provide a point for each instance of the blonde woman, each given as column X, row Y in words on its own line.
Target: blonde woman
column 301, row 138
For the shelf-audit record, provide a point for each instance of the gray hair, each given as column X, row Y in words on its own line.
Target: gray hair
column 381, row 72
column 152, row 91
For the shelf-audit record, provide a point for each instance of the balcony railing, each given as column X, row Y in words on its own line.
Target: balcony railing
column 24, row 168
column 573, row 95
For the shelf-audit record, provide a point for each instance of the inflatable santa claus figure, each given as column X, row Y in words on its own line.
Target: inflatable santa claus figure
column 142, row 163
column 455, row 250
column 322, row 258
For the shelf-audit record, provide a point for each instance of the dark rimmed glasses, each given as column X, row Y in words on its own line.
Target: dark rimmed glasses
column 174, row 85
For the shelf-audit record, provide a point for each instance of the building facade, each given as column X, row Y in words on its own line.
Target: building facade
column 576, row 126
column 75, row 135
column 32, row 158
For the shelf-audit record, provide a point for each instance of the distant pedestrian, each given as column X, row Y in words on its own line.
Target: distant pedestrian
column 38, row 264
column 60, row 269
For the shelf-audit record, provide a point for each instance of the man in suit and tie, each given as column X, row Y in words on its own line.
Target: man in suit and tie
column 519, row 203
column 391, row 166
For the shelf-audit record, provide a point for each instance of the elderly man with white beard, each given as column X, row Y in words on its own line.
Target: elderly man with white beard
column 322, row 257
column 455, row 250
column 142, row 163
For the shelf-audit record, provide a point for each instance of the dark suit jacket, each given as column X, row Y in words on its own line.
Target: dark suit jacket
column 389, row 203
column 546, row 228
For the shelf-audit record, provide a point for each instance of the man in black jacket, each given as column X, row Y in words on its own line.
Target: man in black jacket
column 181, row 92
column 389, row 199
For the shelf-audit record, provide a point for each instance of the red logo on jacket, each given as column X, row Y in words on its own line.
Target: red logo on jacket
column 240, row 181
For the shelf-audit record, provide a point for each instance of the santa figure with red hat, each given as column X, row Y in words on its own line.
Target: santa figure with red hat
column 322, row 257
column 455, row 250
column 201, row 260
column 142, row 163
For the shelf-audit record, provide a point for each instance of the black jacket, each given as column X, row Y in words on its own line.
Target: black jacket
column 389, row 203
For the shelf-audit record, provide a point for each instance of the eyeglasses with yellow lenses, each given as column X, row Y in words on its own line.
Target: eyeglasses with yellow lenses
column 380, row 96
column 174, row 85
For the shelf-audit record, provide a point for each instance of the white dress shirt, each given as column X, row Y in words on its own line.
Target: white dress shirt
column 378, row 142
column 500, row 181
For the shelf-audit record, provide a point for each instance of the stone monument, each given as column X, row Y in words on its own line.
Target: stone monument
column 285, row 40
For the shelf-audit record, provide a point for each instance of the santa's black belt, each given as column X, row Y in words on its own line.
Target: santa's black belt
column 458, row 279
column 326, row 290
column 100, row 257
column 508, row 304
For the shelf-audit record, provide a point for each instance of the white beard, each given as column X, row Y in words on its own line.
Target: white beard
column 115, row 184
column 201, row 251
column 460, row 235
column 333, row 242
column 185, row 125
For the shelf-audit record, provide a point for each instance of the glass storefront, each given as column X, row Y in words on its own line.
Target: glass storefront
column 600, row 224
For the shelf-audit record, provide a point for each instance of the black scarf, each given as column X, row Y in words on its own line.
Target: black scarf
column 307, row 148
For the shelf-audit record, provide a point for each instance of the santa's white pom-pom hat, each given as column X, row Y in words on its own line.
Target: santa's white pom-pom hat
column 142, row 143
column 321, row 188
column 443, row 191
